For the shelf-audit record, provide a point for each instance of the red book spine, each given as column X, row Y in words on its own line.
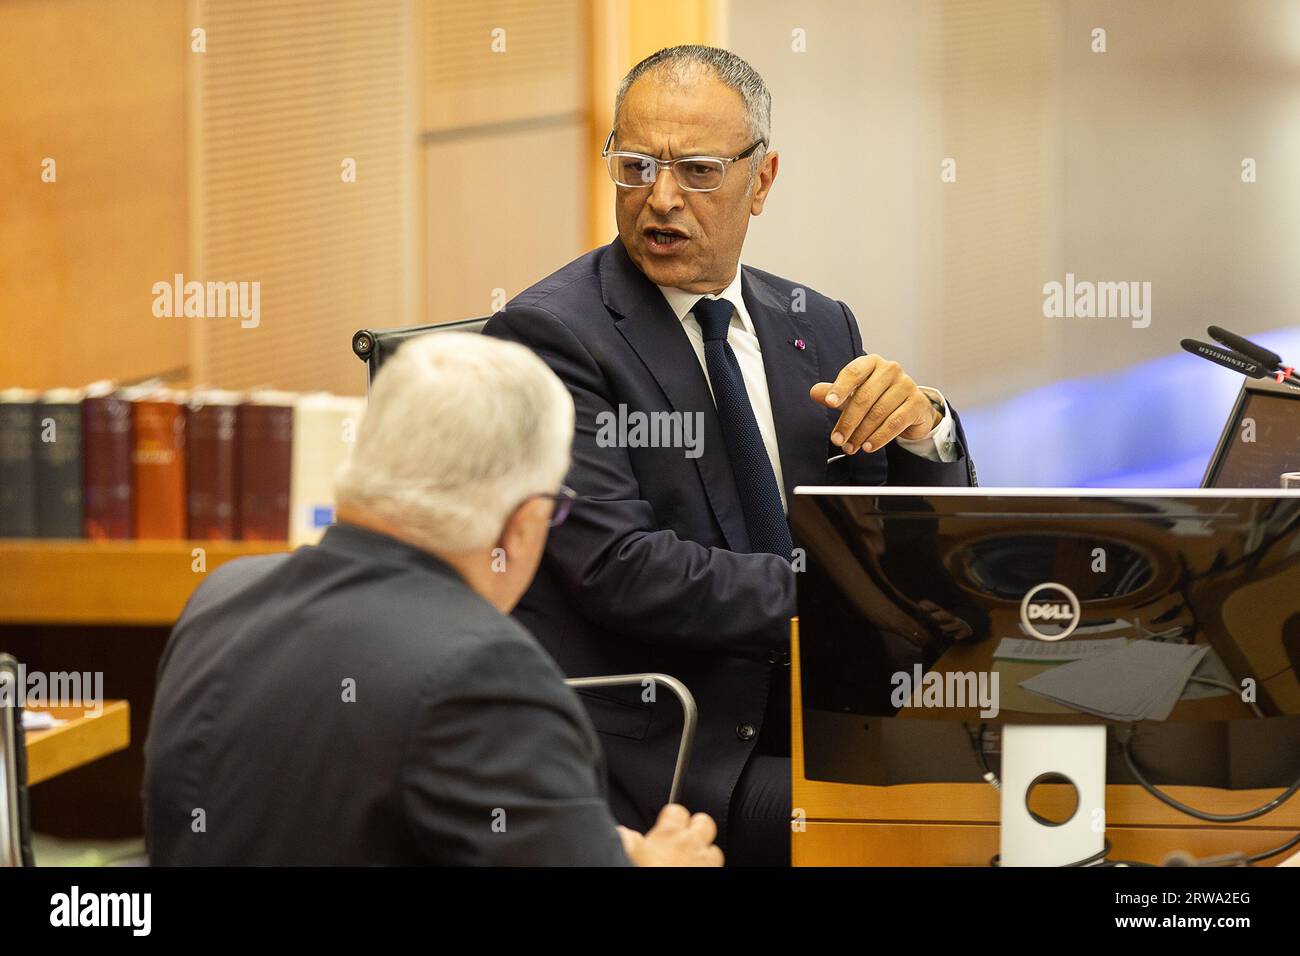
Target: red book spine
column 106, row 451
column 159, row 469
column 265, row 454
column 213, row 506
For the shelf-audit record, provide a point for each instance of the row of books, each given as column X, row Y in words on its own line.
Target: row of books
column 150, row 462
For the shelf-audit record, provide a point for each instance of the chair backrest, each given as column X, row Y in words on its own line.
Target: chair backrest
column 15, row 829
column 375, row 347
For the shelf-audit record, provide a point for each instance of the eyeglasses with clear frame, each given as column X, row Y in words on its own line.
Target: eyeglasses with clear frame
column 696, row 174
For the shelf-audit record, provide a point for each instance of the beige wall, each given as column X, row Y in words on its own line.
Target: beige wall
column 1155, row 131
column 942, row 276
column 1115, row 166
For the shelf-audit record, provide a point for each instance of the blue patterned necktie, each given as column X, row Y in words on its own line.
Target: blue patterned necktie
column 760, row 499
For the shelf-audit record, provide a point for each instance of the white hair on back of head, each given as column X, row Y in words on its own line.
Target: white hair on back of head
column 460, row 429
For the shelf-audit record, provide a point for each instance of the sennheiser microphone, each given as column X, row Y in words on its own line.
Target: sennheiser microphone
column 1269, row 360
column 1227, row 358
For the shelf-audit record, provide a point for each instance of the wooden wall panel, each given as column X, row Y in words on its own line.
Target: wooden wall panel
column 488, row 227
column 506, row 157
column 533, row 67
column 99, row 86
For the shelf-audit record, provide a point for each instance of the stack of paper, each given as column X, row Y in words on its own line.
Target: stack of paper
column 1141, row 681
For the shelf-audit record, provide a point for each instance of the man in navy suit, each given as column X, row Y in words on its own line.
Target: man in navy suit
column 705, row 392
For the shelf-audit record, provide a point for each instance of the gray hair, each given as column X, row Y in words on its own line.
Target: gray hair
column 460, row 429
column 731, row 70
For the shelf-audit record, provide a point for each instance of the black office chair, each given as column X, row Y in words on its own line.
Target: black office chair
column 15, row 822
column 374, row 348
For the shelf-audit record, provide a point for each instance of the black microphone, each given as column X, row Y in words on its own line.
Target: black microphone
column 1270, row 360
column 1227, row 358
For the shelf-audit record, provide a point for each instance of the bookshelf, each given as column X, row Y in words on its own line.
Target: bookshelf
column 107, row 583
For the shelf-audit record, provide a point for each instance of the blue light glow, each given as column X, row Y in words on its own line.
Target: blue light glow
column 1152, row 425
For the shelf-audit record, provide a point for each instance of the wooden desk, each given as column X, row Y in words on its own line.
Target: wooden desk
column 78, row 741
column 956, row 824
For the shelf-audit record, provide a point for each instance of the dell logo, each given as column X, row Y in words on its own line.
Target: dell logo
column 1049, row 612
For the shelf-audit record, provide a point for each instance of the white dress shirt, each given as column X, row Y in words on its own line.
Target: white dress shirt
column 939, row 445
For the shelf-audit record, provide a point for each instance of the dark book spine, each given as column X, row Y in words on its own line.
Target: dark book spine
column 17, row 470
column 213, row 505
column 58, row 470
column 106, row 460
column 265, row 455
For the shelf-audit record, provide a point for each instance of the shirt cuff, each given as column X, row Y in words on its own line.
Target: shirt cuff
column 941, row 443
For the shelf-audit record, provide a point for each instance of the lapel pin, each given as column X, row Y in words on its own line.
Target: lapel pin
column 800, row 344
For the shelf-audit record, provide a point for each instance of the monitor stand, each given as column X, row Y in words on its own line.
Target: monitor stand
column 1029, row 755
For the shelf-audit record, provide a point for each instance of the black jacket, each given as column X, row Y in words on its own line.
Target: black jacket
column 356, row 703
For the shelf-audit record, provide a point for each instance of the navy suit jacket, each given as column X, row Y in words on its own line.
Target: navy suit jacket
column 650, row 571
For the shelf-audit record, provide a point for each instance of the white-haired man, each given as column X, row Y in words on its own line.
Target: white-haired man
column 367, row 700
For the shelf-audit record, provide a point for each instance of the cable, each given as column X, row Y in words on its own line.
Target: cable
column 1223, row 685
column 1124, row 863
column 977, row 742
column 1126, row 748
column 1265, row 854
column 1097, row 858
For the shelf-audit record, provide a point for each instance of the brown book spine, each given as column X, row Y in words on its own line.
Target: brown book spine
column 158, row 463
column 212, row 446
column 106, row 436
column 265, row 454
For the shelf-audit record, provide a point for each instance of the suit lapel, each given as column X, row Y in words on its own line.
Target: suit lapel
column 649, row 326
column 801, row 425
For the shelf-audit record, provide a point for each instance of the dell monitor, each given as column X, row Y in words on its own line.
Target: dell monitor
column 933, row 621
